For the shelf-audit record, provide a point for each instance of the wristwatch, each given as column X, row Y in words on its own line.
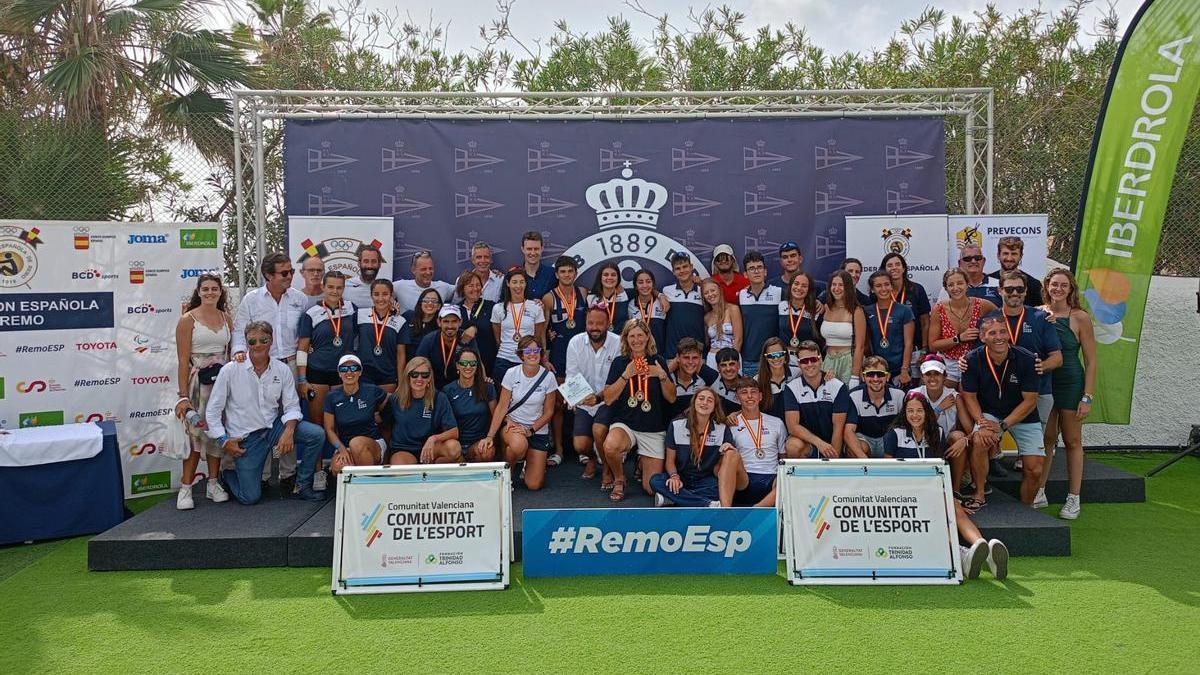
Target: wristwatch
column 1003, row 426
column 957, row 339
column 1086, row 398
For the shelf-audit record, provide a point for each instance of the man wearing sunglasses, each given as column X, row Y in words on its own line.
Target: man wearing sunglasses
column 815, row 409
column 280, row 305
column 441, row 347
column 873, row 407
column 979, row 285
column 254, row 411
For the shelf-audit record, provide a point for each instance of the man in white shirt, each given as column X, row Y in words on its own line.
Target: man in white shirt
column 279, row 304
column 492, row 280
column 408, row 291
column 312, row 269
column 591, row 354
column 358, row 289
column 252, row 411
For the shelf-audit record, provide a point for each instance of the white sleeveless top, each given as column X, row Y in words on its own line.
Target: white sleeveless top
column 724, row 339
column 838, row 333
column 206, row 341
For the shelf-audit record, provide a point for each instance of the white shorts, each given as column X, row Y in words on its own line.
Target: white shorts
column 648, row 443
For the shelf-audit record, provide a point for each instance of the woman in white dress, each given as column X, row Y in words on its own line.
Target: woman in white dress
column 722, row 320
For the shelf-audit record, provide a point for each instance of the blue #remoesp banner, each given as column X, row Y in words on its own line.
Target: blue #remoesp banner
column 55, row 311
column 575, row 542
column 631, row 192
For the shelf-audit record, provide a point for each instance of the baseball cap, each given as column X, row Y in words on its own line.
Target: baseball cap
column 723, row 248
column 933, row 363
column 789, row 246
column 349, row 358
column 449, row 310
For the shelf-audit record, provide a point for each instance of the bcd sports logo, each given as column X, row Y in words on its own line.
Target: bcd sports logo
column 91, row 274
column 370, row 525
column 816, row 516
column 147, row 308
column 18, row 256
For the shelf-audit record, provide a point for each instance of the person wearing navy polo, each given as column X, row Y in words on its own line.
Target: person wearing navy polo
column 695, row 442
column 685, row 318
column 728, row 371
column 350, row 418
column 873, row 406
column 441, row 346
column 689, row 373
column 382, row 335
column 891, row 326
column 760, row 311
column 747, row 477
column 539, row 277
column 1031, row 328
column 910, row 293
column 473, row 400
column 423, row 426
column 1000, row 391
column 799, row 314
column 326, row 334
column 815, row 409
column 791, row 259
column 566, row 312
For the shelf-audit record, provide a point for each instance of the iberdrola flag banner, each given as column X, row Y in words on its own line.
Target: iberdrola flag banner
column 1143, row 121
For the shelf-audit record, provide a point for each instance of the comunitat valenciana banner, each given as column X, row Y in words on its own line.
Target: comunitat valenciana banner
column 1143, row 121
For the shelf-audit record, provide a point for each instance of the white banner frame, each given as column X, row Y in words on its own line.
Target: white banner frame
column 909, row 235
column 498, row 471
column 787, row 494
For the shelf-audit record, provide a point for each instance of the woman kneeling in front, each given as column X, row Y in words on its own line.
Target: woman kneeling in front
column 423, row 426
column 695, row 441
column 524, row 411
column 350, row 417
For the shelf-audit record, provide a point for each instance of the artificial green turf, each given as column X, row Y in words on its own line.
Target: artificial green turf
column 1125, row 601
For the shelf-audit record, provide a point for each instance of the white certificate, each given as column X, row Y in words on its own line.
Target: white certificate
column 575, row 389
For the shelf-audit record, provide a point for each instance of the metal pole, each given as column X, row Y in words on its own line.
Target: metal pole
column 237, row 193
column 260, row 210
column 970, row 139
column 990, row 134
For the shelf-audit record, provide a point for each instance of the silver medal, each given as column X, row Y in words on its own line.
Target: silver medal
column 646, row 405
column 378, row 350
column 884, row 343
column 632, row 402
column 337, row 341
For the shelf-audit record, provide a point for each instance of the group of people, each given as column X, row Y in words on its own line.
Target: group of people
column 683, row 374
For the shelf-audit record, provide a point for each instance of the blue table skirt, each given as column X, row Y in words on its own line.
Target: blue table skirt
column 66, row 499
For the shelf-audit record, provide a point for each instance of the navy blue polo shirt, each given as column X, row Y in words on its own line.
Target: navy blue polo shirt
column 894, row 352
column 987, row 292
column 807, row 325
column 480, row 318
column 727, row 395
column 415, row 335
column 899, row 444
column 431, row 348
column 473, row 415
column 315, row 324
column 869, row 420
column 817, row 406
column 1037, row 334
column 760, row 319
column 683, row 394
column 412, row 426
column 354, row 414
column 541, row 283
column 692, row 471
column 636, row 418
column 657, row 320
column 917, row 300
column 777, row 392
column 1017, row 376
column 382, row 368
column 684, row 319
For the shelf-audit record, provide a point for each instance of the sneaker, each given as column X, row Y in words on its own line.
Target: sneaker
column 714, row 505
column 1018, row 466
column 309, row 495
column 1070, row 510
column 973, row 558
column 183, row 501
column 997, row 559
column 287, row 487
column 1040, row 501
column 214, row 491
column 659, row 500
column 320, row 480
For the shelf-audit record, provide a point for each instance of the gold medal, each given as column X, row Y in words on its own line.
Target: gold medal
column 646, row 406
column 632, row 402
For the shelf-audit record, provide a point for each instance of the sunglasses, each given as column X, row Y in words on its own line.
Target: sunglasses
column 531, row 351
column 914, row 395
column 809, row 360
column 1013, row 290
column 467, row 364
column 875, row 373
column 971, row 258
column 349, row 368
column 420, row 374
column 258, row 341
column 286, row 273
column 431, row 301
column 775, row 355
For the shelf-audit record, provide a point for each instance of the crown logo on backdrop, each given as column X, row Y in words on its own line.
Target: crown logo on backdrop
column 626, row 200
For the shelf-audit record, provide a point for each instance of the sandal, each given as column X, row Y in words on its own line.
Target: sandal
column 618, row 491
column 554, row 460
column 589, row 471
column 972, row 504
column 605, row 487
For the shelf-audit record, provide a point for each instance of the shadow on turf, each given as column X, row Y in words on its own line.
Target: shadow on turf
column 518, row 599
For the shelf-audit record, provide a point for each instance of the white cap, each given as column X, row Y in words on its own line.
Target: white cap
column 723, row 248
column 349, row 358
column 449, row 310
column 931, row 365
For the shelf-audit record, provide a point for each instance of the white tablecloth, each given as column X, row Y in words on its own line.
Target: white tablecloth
column 47, row 445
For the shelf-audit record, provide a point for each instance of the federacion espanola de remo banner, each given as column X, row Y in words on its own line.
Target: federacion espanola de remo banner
column 869, row 521
column 411, row 529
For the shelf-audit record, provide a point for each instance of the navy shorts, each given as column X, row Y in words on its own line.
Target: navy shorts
column 584, row 421
column 540, row 442
column 760, row 486
column 329, row 378
column 376, row 376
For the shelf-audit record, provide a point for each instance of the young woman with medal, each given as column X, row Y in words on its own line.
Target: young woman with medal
column 477, row 317
column 523, row 413
column 608, row 291
column 567, row 304
column 694, row 443
column 638, row 392
column 892, row 327
column 800, row 314
column 382, row 334
column 326, row 334
column 774, row 372
column 423, row 319
column 649, row 305
column 910, row 293
column 513, row 318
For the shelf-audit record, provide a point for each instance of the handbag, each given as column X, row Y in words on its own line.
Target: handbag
column 178, row 443
column 208, row 374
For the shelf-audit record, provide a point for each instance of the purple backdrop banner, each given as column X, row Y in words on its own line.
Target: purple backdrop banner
column 628, row 191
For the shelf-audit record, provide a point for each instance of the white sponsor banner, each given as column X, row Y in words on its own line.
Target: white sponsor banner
column 878, row 521
column 336, row 240
column 918, row 238
column 403, row 529
column 89, row 333
column 987, row 231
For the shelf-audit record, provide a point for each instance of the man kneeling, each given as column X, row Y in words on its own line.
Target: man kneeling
column 253, row 410
column 747, row 477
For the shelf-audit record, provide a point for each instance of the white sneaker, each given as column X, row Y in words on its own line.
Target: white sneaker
column 215, row 492
column 973, row 558
column 714, row 505
column 1070, row 510
column 320, row 479
column 997, row 559
column 659, row 500
column 183, row 501
column 1040, row 501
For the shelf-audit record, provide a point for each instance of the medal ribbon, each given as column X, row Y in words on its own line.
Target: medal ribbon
column 517, row 320
column 379, row 326
column 883, row 320
column 568, row 308
column 794, row 320
column 478, row 308
column 998, row 378
column 336, row 322
column 640, row 383
column 447, row 354
column 645, row 311
column 1014, row 332
column 903, row 294
column 611, row 306
column 755, row 438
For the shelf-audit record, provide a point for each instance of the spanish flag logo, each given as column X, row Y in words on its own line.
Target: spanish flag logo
column 137, row 275
column 309, row 247
column 82, row 242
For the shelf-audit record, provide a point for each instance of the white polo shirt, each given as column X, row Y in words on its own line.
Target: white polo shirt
column 593, row 364
column 242, row 402
column 761, row 457
column 408, row 293
column 284, row 317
